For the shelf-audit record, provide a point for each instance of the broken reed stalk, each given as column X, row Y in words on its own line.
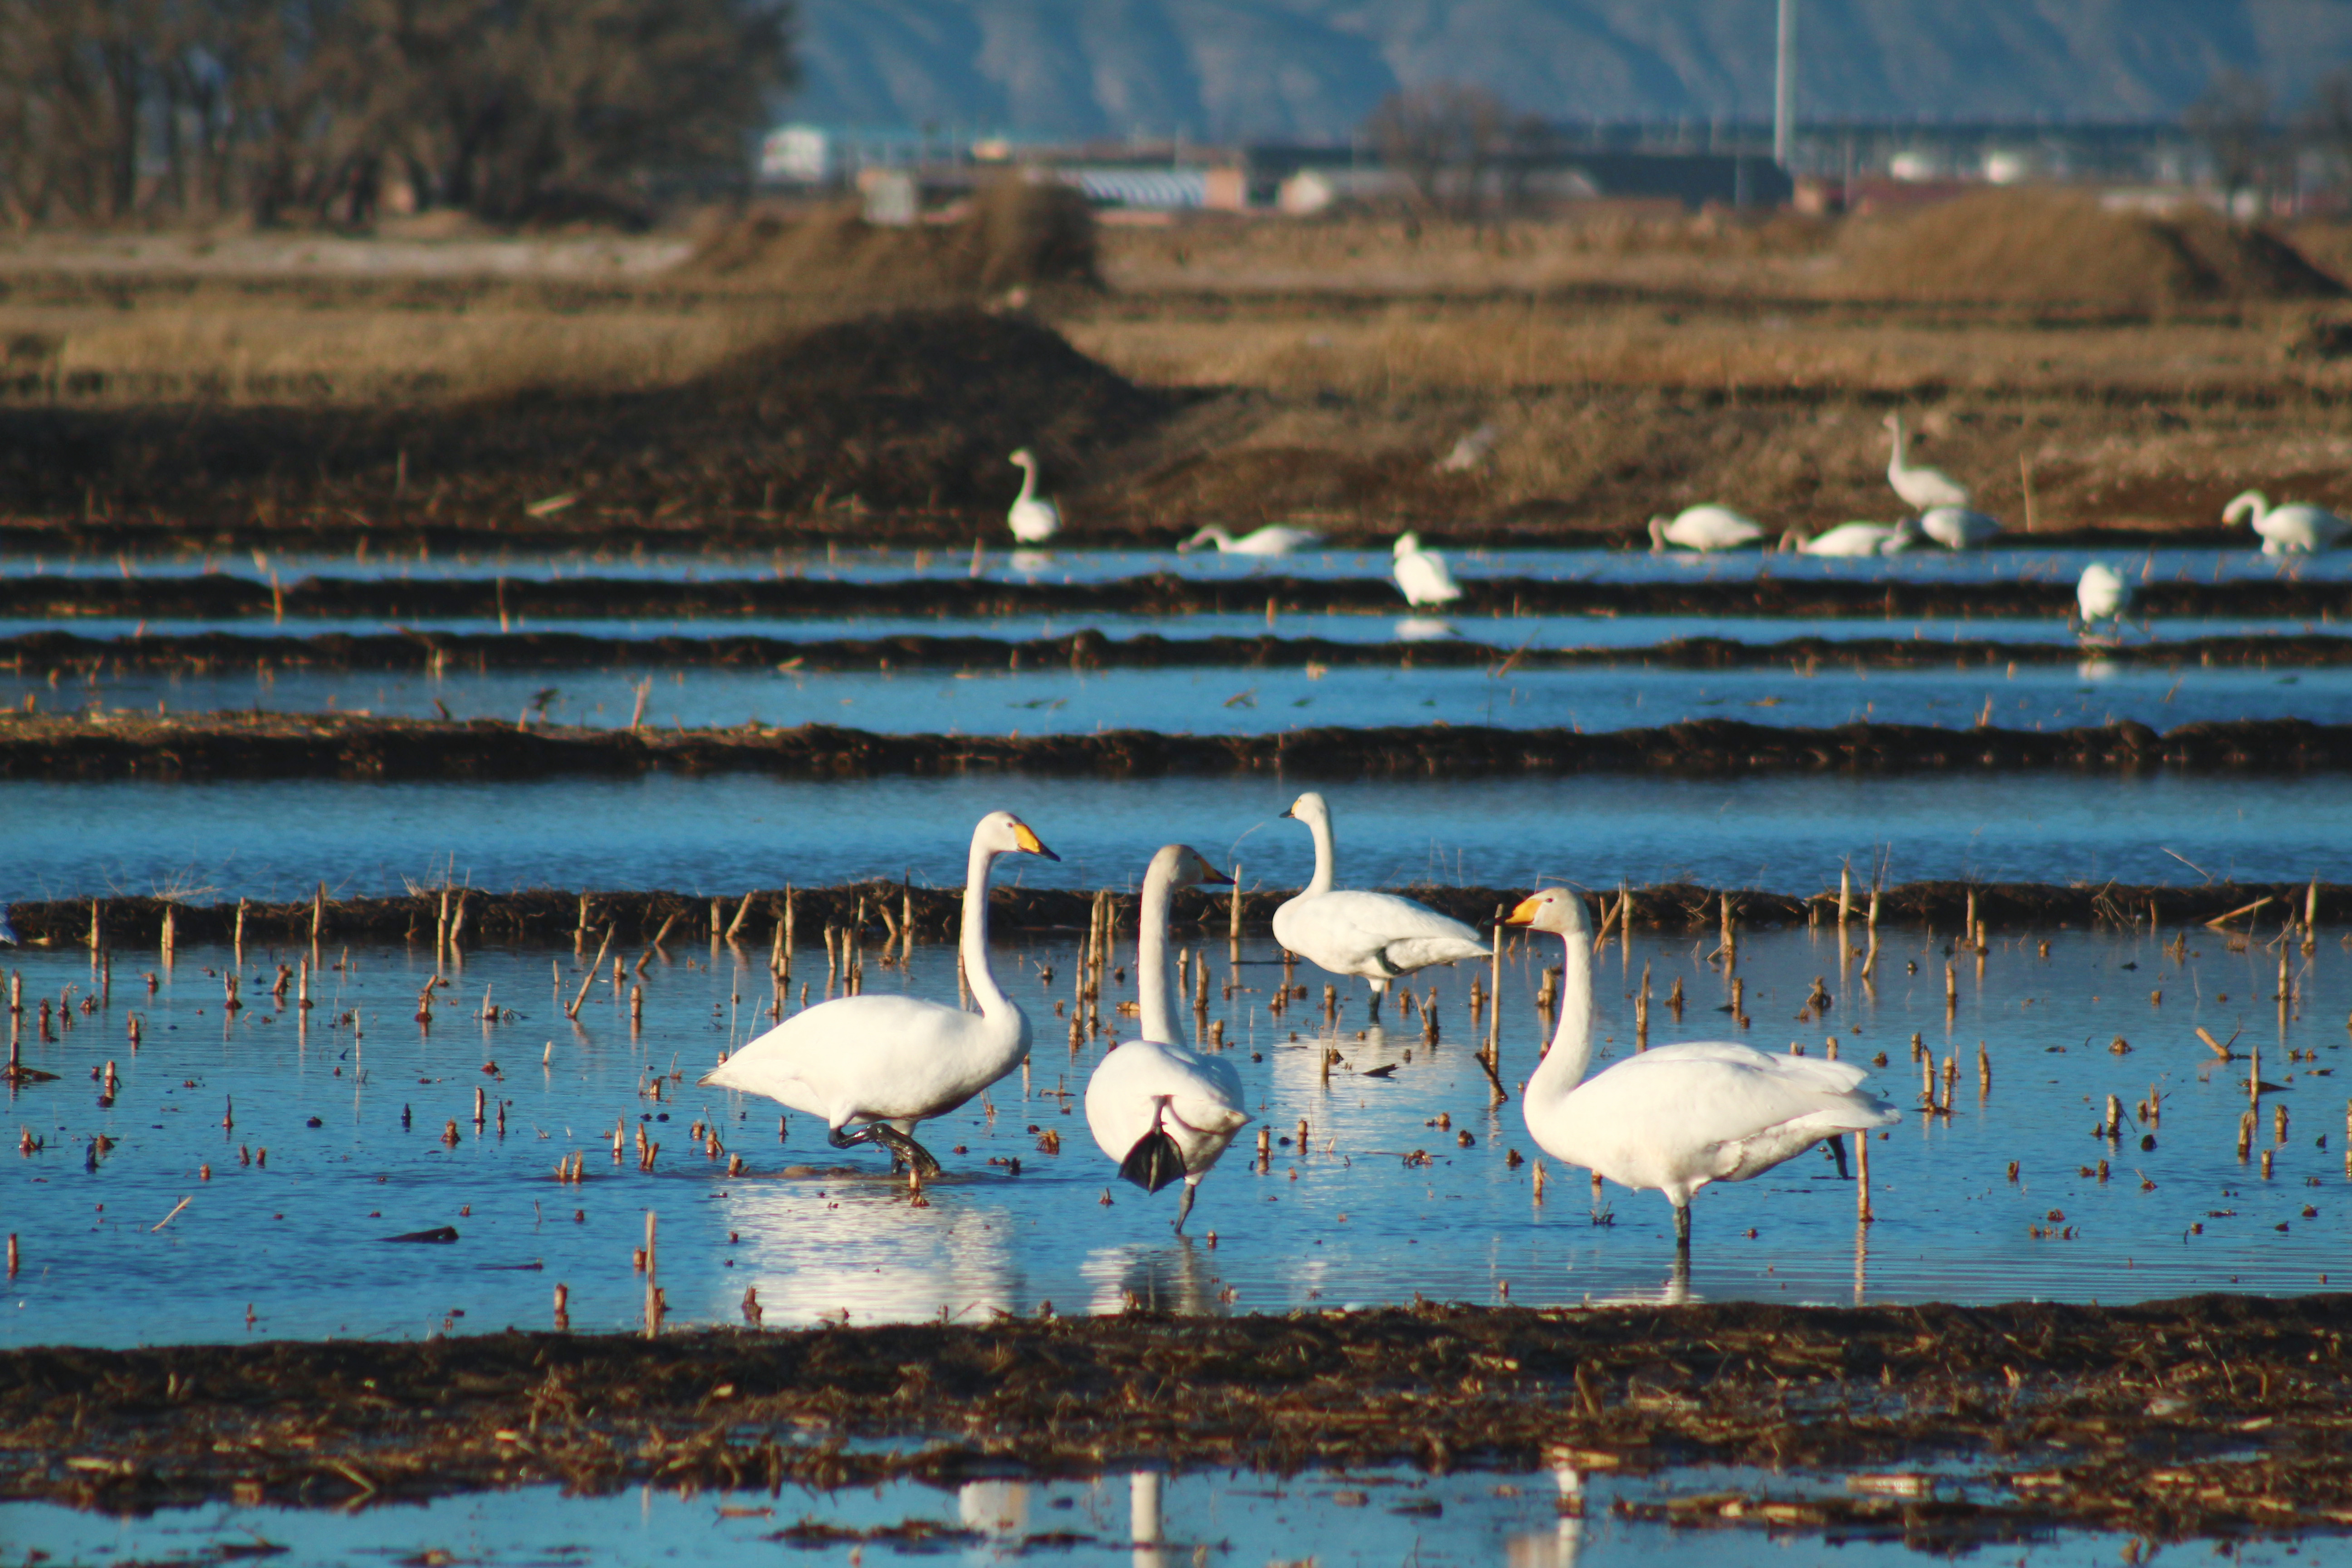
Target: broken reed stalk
column 1862, row 1178
column 585, row 980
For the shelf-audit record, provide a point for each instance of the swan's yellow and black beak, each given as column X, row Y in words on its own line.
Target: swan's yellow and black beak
column 1526, row 913
column 1029, row 842
column 1209, row 874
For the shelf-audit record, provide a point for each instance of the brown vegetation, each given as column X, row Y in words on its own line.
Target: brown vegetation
column 1017, row 234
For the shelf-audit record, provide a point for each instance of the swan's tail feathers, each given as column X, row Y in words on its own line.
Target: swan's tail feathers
column 1208, row 1116
column 1154, row 1161
column 723, row 1076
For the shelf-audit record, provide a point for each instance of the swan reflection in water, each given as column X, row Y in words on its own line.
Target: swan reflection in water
column 1558, row 1549
column 1425, row 629
column 819, row 1244
column 1176, row 1280
column 998, row 1511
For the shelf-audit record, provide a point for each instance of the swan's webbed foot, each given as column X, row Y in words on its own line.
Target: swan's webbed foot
column 1837, row 1152
column 1184, row 1206
column 1154, row 1161
column 1681, row 1229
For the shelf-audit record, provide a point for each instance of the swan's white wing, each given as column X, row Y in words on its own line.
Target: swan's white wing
column 1202, row 1094
column 882, row 1059
column 1352, row 932
column 1677, row 1119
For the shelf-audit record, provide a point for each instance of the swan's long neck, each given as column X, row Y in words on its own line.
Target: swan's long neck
column 1563, row 1066
column 1028, row 481
column 1155, row 978
column 976, row 973
column 1895, row 464
column 1327, row 855
column 1657, row 533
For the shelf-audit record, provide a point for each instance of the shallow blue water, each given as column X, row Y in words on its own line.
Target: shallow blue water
column 732, row 832
column 351, row 1105
column 1249, row 701
column 1365, row 1519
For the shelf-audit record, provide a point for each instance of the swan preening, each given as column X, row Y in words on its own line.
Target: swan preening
column 1377, row 935
column 1702, row 528
column 1160, row 1109
column 2101, row 594
column 1033, row 518
column 889, row 1062
column 1422, row 574
column 1845, row 538
column 1919, row 486
column 2294, row 529
column 1273, row 539
column 1677, row 1117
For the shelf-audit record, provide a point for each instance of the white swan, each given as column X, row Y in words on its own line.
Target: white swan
column 7, row 933
column 1155, row 1105
column 1921, row 487
column 1845, row 538
column 1034, row 518
column 1377, row 935
column 2101, row 594
column 1702, row 528
column 2294, row 529
column 1422, row 574
column 1273, row 539
column 893, row 1061
column 1677, row 1117
column 1953, row 527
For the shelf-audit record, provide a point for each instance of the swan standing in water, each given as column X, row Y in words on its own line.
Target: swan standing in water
column 1921, row 487
column 1423, row 574
column 1273, row 539
column 2101, row 594
column 892, row 1061
column 1033, row 519
column 1675, row 1117
column 2295, row 529
column 1702, row 528
column 1377, row 935
column 1155, row 1105
column 1845, row 538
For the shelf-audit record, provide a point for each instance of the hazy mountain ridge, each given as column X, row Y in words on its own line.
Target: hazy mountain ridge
column 1224, row 68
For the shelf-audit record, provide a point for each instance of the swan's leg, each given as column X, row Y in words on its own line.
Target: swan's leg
column 1374, row 1015
column 1837, row 1152
column 1682, row 1228
column 1183, row 1207
column 904, row 1147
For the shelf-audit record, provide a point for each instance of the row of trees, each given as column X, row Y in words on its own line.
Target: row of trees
column 322, row 110
column 2254, row 148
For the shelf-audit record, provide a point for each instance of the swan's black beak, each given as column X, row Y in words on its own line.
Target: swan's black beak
column 1214, row 876
column 1292, row 815
column 1154, row 1161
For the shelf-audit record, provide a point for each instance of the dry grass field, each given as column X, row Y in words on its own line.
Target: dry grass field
column 2135, row 371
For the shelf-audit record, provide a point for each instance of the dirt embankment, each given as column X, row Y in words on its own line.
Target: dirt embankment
column 114, row 745
column 547, row 916
column 219, row 597
column 2131, row 1418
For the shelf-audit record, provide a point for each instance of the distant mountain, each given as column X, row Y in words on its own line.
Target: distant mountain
column 1220, row 69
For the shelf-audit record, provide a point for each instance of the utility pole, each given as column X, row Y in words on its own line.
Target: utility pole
column 1784, row 88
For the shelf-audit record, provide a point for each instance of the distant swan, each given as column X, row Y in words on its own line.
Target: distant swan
column 1422, row 574
column 893, row 1061
column 1677, row 1117
column 1921, row 487
column 1273, row 539
column 2101, row 594
column 1377, row 935
column 2295, row 529
column 1034, row 518
column 1953, row 527
column 1845, row 538
column 1155, row 1105
column 1703, row 528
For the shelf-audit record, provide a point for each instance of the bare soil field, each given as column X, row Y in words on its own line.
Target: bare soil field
column 1222, row 372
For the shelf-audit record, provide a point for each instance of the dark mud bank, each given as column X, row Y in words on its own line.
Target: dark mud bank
column 2203, row 1416
column 223, row 596
column 66, row 653
column 881, row 908
column 99, row 744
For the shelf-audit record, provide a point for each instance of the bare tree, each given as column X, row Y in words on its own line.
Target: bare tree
column 1443, row 141
column 2232, row 122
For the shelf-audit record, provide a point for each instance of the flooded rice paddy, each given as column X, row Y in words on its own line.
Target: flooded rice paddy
column 1228, row 700
column 258, row 1170
column 1348, row 1519
column 726, row 833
